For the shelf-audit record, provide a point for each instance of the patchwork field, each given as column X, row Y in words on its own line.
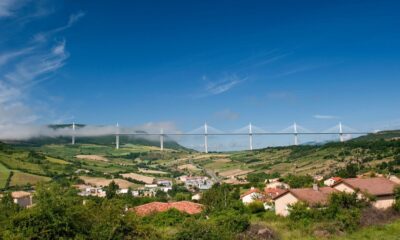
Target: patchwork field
column 234, row 172
column 152, row 171
column 138, row 177
column 92, row 157
column 102, row 182
column 189, row 167
column 4, row 173
column 21, row 179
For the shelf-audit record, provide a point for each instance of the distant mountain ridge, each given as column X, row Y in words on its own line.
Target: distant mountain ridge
column 106, row 139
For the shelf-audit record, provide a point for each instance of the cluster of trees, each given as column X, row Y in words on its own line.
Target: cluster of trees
column 60, row 213
column 298, row 181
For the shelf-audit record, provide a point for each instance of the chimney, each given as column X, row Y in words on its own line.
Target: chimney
column 315, row 187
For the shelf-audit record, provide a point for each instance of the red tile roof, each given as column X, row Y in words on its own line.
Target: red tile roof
column 273, row 192
column 336, row 179
column 154, row 207
column 252, row 190
column 310, row 195
column 375, row 186
column 20, row 194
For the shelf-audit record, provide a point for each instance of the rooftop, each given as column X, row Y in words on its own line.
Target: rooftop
column 310, row 195
column 376, row 186
column 182, row 206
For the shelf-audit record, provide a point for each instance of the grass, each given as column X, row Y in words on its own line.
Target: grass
column 4, row 174
column 56, row 160
column 22, row 179
column 287, row 230
column 388, row 232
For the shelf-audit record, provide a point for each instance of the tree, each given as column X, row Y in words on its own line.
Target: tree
column 111, row 190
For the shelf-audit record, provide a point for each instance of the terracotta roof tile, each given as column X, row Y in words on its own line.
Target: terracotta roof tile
column 375, row 186
column 20, row 194
column 253, row 190
column 154, row 207
column 310, row 195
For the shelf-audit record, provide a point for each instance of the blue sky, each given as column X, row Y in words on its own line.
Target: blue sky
column 181, row 63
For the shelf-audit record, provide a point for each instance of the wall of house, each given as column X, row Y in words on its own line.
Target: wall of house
column 23, row 202
column 384, row 202
column 282, row 204
column 250, row 198
column 343, row 188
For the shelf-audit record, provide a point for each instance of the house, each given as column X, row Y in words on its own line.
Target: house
column 331, row 181
column 277, row 184
column 196, row 197
column 313, row 196
column 381, row 188
column 201, row 183
column 251, row 195
column 155, row 207
column 164, row 185
column 394, row 179
column 22, row 198
column 271, row 193
column 88, row 190
column 318, row 178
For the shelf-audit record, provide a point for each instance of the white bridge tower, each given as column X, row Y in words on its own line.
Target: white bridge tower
column 73, row 133
column 162, row 139
column 117, row 137
column 296, row 138
column 250, row 137
column 341, row 132
column 205, row 138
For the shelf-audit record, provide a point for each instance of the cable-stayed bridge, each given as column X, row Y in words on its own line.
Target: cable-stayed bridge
column 295, row 130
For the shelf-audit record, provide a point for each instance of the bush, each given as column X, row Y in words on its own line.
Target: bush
column 201, row 230
column 232, row 221
column 256, row 207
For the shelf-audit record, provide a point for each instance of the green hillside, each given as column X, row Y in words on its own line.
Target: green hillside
column 101, row 140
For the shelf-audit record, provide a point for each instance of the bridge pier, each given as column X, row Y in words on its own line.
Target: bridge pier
column 117, row 137
column 162, row 139
column 205, row 138
column 341, row 132
column 250, row 137
column 296, row 138
column 73, row 134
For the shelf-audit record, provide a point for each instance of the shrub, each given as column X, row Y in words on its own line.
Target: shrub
column 396, row 205
column 256, row 207
column 201, row 230
column 232, row 221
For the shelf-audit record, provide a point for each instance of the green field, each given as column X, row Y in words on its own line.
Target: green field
column 4, row 174
column 22, row 179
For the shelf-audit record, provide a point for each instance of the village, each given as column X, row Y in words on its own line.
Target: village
column 275, row 196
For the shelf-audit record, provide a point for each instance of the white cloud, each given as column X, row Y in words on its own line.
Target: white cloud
column 9, row 7
column 319, row 116
column 223, row 85
column 20, row 70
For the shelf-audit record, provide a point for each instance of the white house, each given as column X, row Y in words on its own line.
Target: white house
column 277, row 184
column 252, row 195
column 313, row 196
column 22, row 198
column 196, row 197
column 331, row 181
